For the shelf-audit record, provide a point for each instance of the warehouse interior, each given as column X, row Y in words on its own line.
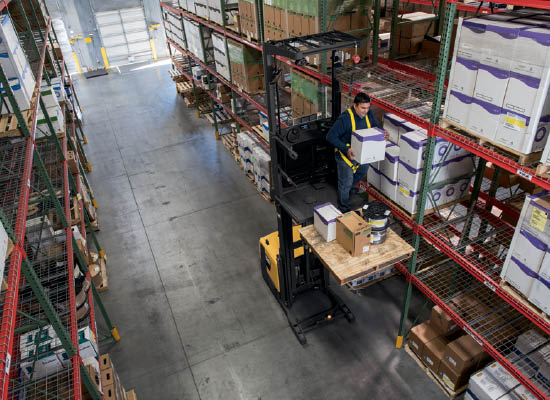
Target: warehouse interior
column 275, row 199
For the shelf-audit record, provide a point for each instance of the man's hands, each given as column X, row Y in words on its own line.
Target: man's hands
column 350, row 154
column 386, row 136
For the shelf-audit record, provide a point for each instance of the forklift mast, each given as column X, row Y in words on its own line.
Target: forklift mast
column 302, row 167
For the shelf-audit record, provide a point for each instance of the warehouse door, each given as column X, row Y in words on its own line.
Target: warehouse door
column 125, row 36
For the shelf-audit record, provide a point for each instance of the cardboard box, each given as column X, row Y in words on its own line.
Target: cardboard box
column 110, row 392
column 441, row 322
column 324, row 220
column 131, row 395
column 368, row 145
column 392, row 123
column 463, row 77
column 388, row 187
column 405, row 198
column 463, row 354
column 105, row 362
column 409, row 46
column 450, row 378
column 419, row 336
column 389, row 165
column 353, row 233
column 433, row 353
column 418, row 28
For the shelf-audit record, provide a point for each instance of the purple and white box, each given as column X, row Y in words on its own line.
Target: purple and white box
column 324, row 220
column 368, row 145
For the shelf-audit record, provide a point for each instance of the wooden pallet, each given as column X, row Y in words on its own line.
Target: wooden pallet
column 258, row 130
column 184, row 87
column 522, row 299
column 543, row 170
column 520, row 158
column 9, row 125
column 222, row 117
column 176, row 76
column 190, row 102
column 346, row 268
column 265, row 196
column 451, row 394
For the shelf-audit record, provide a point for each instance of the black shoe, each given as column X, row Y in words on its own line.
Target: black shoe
column 343, row 209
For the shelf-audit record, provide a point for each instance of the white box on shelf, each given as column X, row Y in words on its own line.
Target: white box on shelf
column 388, row 187
column 373, row 176
column 457, row 108
column 408, row 126
column 518, row 275
column 463, row 76
column 47, row 363
column 469, row 37
column 412, row 147
column 533, row 46
column 409, row 177
column 536, row 218
column 389, row 165
column 406, row 199
column 48, row 95
column 491, row 83
column 455, row 191
column 539, row 294
column 528, row 249
column 392, row 124
column 20, row 94
column 56, row 117
column 490, row 384
column 521, row 392
column 483, row 118
column 499, row 41
column 324, row 220
column 368, row 145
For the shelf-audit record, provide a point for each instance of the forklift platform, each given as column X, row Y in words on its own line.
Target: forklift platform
column 346, row 268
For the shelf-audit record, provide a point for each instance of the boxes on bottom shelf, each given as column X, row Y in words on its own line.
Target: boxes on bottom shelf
column 491, row 383
column 373, row 176
column 371, row 277
column 324, row 220
column 110, row 381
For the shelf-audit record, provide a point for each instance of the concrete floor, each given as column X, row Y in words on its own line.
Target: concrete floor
column 180, row 224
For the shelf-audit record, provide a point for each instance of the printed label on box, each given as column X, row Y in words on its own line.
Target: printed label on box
column 452, row 361
column 538, row 219
column 365, row 249
column 429, row 361
column 515, row 122
column 448, row 382
column 404, row 190
column 414, row 344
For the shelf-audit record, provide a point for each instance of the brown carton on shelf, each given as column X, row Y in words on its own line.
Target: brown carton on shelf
column 419, row 336
column 450, row 378
column 433, row 353
column 105, row 362
column 441, row 322
column 108, row 377
column 353, row 233
column 131, row 395
column 109, row 392
column 463, row 354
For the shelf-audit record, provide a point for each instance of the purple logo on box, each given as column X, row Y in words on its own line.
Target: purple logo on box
column 443, row 150
column 437, row 196
column 541, row 134
column 450, row 191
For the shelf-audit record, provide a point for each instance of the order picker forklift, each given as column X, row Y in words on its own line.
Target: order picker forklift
column 303, row 175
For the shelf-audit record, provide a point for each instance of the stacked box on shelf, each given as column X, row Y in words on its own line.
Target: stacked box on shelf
column 446, row 351
column 527, row 265
column 247, row 70
column 199, row 40
column 221, row 57
column 222, row 12
column 399, row 175
column 306, row 94
column 174, row 28
column 110, row 381
column 248, row 18
column 411, row 35
column 291, row 18
column 201, row 9
column 499, row 82
column 261, row 162
column 15, row 66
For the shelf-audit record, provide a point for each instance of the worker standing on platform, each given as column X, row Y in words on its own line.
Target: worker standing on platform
column 350, row 172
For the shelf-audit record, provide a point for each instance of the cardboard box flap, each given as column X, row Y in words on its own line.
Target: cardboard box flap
column 353, row 223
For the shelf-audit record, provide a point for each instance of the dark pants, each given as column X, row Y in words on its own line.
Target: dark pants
column 347, row 179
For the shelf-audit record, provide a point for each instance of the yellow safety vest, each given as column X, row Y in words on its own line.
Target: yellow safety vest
column 346, row 160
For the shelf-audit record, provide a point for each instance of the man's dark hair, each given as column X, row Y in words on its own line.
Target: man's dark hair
column 361, row 98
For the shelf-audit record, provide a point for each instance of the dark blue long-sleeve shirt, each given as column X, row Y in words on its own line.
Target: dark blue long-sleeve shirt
column 340, row 133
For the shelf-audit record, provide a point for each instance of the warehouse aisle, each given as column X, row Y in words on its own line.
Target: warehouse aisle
column 180, row 225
